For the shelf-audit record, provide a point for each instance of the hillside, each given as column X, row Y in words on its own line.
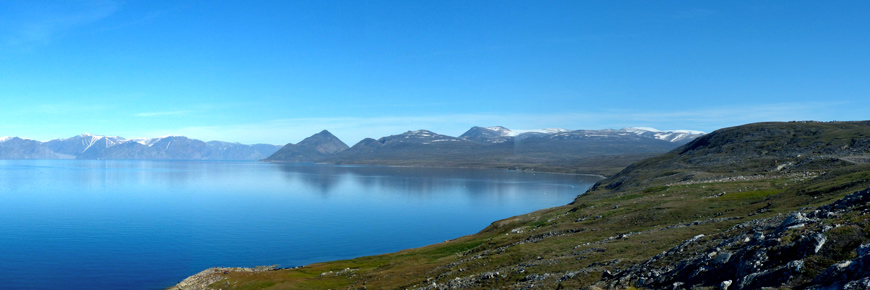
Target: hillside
column 781, row 205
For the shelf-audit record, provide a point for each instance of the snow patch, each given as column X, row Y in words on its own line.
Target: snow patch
column 666, row 135
column 505, row 132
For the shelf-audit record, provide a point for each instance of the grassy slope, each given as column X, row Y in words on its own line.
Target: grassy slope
column 648, row 208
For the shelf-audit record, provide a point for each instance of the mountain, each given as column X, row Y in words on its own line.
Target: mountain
column 235, row 151
column 583, row 151
column 675, row 136
column 312, row 149
column 490, row 147
column 779, row 205
column 500, row 134
column 492, row 135
column 76, row 145
column 18, row 148
column 89, row 146
column 94, row 148
column 128, row 150
column 421, row 147
column 179, row 148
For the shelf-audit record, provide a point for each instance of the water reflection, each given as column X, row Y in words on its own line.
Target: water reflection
column 198, row 214
column 423, row 182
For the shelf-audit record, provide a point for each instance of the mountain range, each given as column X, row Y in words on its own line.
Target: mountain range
column 88, row 146
column 494, row 147
column 490, row 147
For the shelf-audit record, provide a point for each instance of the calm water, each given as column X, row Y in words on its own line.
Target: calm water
column 148, row 224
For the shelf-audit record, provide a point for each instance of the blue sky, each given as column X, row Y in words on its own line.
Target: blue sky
column 279, row 71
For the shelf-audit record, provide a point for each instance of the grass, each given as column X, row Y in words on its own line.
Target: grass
column 749, row 195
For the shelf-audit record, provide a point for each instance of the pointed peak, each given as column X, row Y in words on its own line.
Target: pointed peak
column 325, row 132
column 321, row 137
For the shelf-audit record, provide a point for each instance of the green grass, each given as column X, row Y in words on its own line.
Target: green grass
column 449, row 249
column 757, row 194
column 655, row 189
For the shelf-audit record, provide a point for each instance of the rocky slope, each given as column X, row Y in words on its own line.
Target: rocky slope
column 717, row 213
column 761, row 148
column 787, row 251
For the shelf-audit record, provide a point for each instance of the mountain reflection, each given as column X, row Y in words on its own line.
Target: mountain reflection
column 424, row 182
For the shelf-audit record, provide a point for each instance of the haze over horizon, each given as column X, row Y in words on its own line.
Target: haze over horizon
column 279, row 71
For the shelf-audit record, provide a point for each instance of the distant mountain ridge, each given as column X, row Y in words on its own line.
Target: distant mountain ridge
column 494, row 147
column 18, row 148
column 550, row 149
column 500, row 134
column 89, row 146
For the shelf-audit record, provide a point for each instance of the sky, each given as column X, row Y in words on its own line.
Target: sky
column 278, row 71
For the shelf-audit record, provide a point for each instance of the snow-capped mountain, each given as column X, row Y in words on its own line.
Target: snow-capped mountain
column 90, row 146
column 501, row 147
column 670, row 136
column 500, row 134
column 513, row 133
column 78, row 144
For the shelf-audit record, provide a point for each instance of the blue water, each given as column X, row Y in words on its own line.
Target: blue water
column 68, row 224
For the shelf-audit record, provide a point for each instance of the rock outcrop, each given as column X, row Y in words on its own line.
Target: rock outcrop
column 785, row 251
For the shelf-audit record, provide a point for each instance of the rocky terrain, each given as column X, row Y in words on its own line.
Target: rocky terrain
column 794, row 250
column 777, row 205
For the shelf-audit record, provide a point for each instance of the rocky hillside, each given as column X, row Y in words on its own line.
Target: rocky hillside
column 782, row 205
column 822, row 248
column 754, row 149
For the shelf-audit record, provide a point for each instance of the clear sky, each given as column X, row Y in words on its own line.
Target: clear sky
column 279, row 71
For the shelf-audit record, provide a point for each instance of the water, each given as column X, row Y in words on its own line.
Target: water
column 68, row 224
